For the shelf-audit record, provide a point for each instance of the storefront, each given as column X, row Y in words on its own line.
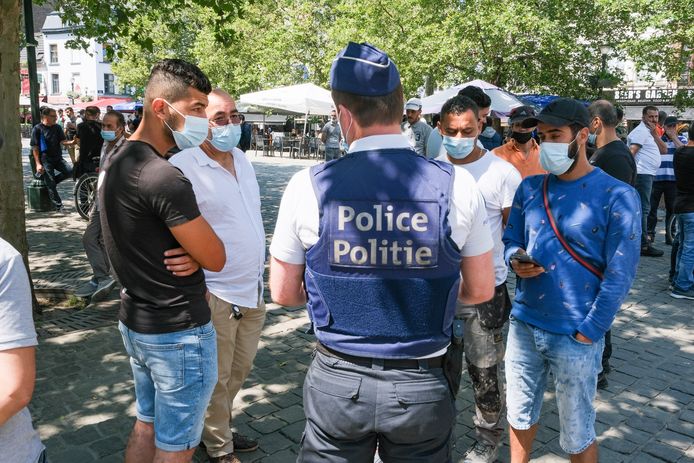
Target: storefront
column 634, row 100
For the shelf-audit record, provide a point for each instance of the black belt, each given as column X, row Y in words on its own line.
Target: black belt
column 386, row 364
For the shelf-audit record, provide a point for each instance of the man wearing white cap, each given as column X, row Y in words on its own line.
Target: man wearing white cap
column 415, row 129
column 379, row 245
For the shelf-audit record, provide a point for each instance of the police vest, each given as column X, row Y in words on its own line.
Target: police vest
column 383, row 277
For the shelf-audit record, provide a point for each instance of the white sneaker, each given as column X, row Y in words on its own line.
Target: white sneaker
column 103, row 289
column 481, row 453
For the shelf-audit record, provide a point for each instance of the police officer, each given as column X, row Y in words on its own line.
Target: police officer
column 379, row 245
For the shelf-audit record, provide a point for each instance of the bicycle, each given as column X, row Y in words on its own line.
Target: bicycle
column 85, row 190
column 671, row 228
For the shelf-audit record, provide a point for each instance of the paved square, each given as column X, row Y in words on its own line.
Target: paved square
column 83, row 404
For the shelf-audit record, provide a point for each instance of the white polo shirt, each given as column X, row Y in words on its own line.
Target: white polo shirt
column 648, row 157
column 498, row 181
column 232, row 207
column 296, row 229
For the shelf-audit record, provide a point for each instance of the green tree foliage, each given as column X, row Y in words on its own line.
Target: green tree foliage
column 523, row 45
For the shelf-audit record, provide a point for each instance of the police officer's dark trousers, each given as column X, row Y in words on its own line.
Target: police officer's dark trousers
column 484, row 351
column 351, row 410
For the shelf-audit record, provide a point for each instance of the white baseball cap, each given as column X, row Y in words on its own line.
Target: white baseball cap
column 413, row 103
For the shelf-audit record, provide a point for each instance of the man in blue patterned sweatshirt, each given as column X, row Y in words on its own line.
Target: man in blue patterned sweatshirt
column 569, row 289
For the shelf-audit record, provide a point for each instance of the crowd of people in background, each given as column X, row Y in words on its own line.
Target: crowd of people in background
column 400, row 245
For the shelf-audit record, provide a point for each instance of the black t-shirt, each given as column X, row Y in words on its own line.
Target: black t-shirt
column 89, row 133
column 141, row 195
column 683, row 162
column 47, row 139
column 616, row 159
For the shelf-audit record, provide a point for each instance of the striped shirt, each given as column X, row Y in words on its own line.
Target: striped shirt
column 665, row 172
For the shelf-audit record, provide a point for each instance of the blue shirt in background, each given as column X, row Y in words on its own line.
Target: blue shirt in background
column 599, row 217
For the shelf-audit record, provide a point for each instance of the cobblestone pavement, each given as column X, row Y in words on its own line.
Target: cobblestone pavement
column 83, row 403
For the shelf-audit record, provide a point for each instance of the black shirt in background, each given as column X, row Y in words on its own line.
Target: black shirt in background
column 89, row 133
column 683, row 162
column 141, row 195
column 52, row 136
column 616, row 159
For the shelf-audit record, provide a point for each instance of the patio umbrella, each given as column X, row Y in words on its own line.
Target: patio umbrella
column 101, row 103
column 129, row 106
column 306, row 99
column 502, row 101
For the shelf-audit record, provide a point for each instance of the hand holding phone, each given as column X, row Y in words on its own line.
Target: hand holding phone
column 524, row 265
column 524, row 258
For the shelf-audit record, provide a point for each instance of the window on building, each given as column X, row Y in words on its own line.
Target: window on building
column 105, row 48
column 55, row 84
column 54, row 53
column 75, row 56
column 109, row 84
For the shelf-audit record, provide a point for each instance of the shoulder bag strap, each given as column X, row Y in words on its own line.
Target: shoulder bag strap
column 591, row 268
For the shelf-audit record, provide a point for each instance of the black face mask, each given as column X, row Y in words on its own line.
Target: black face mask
column 522, row 137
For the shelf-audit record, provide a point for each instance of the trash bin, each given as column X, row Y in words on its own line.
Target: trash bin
column 37, row 194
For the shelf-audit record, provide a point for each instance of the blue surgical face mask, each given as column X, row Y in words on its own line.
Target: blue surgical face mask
column 458, row 148
column 554, row 157
column 592, row 138
column 194, row 130
column 226, row 137
column 108, row 135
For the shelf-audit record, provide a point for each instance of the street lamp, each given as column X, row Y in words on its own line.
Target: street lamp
column 72, row 90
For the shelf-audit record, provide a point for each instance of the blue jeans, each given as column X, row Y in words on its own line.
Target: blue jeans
column 644, row 187
column 56, row 170
column 175, row 374
column 684, row 267
column 531, row 353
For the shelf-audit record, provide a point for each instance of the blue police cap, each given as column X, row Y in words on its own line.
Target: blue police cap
column 362, row 69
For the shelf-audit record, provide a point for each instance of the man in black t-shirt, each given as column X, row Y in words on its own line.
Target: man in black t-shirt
column 682, row 259
column 612, row 155
column 147, row 208
column 47, row 140
column 89, row 140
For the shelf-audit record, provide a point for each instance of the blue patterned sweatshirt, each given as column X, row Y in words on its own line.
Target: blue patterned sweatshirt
column 600, row 218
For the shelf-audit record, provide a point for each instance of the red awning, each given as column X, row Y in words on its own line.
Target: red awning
column 103, row 102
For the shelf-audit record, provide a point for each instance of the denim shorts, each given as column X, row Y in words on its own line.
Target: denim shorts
column 175, row 374
column 531, row 353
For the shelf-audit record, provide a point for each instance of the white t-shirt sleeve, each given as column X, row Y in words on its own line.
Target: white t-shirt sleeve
column 509, row 187
column 638, row 137
column 296, row 228
column 468, row 217
column 16, row 321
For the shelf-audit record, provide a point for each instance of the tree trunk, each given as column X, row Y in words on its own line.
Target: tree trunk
column 12, row 221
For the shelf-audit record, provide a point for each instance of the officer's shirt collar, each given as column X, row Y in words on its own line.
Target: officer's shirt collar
column 380, row 142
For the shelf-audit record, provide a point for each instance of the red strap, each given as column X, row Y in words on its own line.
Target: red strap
column 591, row 268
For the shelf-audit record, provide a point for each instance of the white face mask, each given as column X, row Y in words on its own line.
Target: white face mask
column 194, row 130
column 344, row 138
column 554, row 157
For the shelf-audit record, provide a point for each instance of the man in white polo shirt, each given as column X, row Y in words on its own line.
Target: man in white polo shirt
column 228, row 196
column 647, row 147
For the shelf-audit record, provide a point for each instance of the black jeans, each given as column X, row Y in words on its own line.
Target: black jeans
column 55, row 171
column 667, row 188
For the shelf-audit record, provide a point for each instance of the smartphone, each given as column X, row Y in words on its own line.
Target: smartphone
column 525, row 259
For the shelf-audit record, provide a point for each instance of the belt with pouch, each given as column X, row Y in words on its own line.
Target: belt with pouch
column 384, row 364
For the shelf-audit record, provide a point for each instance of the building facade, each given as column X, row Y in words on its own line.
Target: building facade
column 68, row 75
